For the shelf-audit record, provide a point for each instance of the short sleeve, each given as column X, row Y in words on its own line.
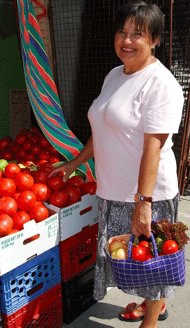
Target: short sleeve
column 162, row 107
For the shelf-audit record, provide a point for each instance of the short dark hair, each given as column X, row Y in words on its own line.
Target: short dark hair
column 147, row 17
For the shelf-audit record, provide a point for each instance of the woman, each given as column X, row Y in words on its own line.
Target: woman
column 132, row 122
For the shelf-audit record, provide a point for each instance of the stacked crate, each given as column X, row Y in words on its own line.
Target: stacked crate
column 30, row 279
column 78, row 246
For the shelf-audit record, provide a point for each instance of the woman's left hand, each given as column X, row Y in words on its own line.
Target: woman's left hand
column 141, row 220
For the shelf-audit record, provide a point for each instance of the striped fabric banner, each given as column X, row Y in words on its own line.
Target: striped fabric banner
column 42, row 90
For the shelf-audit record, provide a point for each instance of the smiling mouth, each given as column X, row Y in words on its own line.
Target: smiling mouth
column 129, row 51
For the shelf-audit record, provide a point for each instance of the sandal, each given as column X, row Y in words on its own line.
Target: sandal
column 129, row 315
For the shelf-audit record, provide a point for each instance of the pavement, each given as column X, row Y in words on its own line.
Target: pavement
column 103, row 314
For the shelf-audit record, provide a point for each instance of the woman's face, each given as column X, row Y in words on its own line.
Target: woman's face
column 133, row 47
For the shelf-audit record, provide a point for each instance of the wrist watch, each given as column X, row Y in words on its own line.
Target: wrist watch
column 140, row 198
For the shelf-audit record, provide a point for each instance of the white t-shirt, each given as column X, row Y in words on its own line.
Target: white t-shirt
column 148, row 101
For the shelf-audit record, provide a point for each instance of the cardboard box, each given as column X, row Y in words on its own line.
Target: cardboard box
column 34, row 239
column 74, row 218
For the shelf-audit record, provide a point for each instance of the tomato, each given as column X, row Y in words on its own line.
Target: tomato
column 147, row 245
column 6, row 224
column 35, row 149
column 74, row 194
column 44, row 142
column 76, row 181
column 24, row 180
column 7, row 154
column 11, row 170
column 40, row 176
column 20, row 139
column 27, row 145
column 44, row 154
column 138, row 253
column 89, row 187
column 52, row 150
column 19, row 219
column 7, row 187
column 54, row 159
column 149, row 257
column 26, row 200
column 39, row 212
column 59, row 198
column 56, row 182
column 8, row 205
column 41, row 191
column 5, row 143
column 45, row 166
column 169, row 246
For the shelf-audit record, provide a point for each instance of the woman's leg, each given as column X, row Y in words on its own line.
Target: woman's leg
column 153, row 309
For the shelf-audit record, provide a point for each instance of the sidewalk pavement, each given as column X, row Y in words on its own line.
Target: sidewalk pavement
column 103, row 314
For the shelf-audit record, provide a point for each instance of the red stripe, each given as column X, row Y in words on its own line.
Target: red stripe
column 43, row 73
column 32, row 20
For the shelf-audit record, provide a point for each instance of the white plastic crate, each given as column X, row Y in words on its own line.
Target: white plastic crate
column 74, row 218
column 17, row 248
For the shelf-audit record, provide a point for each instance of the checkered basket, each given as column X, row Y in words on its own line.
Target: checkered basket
column 161, row 270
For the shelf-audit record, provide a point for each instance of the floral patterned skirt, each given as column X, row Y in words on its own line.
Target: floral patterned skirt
column 115, row 219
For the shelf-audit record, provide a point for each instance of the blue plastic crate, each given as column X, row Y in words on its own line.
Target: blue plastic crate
column 23, row 284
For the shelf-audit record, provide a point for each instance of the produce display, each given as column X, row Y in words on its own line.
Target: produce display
column 25, row 185
column 30, row 145
column 169, row 237
column 26, row 188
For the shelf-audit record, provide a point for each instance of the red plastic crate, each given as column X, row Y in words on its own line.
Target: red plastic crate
column 78, row 252
column 44, row 311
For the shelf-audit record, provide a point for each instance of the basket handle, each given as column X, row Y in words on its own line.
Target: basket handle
column 130, row 244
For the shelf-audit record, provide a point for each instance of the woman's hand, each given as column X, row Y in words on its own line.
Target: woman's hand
column 66, row 169
column 141, row 220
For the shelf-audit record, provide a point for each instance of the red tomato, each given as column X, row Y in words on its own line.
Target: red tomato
column 76, row 181
column 169, row 246
column 11, row 170
column 27, row 145
column 19, row 219
column 6, row 224
column 56, row 182
column 45, row 166
column 40, row 176
column 7, row 154
column 20, row 154
column 41, row 191
column 35, row 149
column 138, row 253
column 89, row 187
column 44, row 154
column 20, row 139
column 59, row 198
column 54, row 159
column 26, row 200
column 5, row 143
column 44, row 142
column 74, row 194
column 52, row 150
column 8, row 205
column 24, row 180
column 7, row 187
column 39, row 212
column 149, row 257
column 147, row 245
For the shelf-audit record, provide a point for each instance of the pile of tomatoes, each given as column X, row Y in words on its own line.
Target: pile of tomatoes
column 143, row 251
column 24, row 192
column 29, row 144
